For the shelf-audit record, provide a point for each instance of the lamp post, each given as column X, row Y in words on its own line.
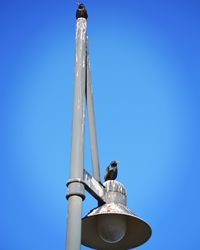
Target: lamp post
column 111, row 225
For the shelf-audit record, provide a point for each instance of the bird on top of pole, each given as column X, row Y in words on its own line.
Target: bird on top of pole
column 81, row 11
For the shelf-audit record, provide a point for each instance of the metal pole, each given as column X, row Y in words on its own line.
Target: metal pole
column 91, row 122
column 75, row 187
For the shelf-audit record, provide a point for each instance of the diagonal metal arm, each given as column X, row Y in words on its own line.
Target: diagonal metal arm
column 91, row 120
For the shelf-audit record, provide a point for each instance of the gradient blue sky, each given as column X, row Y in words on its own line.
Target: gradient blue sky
column 145, row 59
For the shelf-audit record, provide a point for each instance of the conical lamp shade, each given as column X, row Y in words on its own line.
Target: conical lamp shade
column 114, row 227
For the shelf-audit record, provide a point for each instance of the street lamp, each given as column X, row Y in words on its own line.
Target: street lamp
column 111, row 225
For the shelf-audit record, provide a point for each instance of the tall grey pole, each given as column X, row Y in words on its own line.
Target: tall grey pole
column 91, row 122
column 75, row 187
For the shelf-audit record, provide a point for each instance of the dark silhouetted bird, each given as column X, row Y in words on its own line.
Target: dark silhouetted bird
column 111, row 171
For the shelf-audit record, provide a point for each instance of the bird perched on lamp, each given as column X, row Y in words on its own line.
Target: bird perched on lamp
column 111, row 171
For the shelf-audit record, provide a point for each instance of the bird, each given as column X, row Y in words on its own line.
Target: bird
column 81, row 11
column 111, row 171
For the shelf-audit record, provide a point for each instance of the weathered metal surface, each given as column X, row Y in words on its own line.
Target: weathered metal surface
column 108, row 192
column 114, row 192
column 95, row 188
column 111, row 208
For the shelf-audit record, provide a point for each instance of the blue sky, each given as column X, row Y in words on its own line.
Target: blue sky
column 145, row 71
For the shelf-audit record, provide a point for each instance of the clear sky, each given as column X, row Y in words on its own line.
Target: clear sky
column 145, row 71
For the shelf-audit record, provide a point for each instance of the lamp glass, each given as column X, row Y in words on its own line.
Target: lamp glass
column 111, row 228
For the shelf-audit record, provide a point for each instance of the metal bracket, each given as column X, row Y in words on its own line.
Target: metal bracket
column 95, row 188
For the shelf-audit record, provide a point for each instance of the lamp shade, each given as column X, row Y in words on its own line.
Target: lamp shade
column 113, row 226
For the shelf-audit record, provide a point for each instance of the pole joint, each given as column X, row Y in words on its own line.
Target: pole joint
column 75, row 187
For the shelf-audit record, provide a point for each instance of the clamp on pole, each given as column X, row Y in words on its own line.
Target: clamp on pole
column 75, row 187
